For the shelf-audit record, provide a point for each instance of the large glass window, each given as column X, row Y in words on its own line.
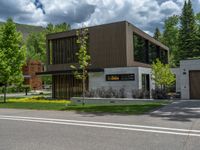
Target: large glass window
column 164, row 56
column 147, row 52
column 140, row 48
column 152, row 52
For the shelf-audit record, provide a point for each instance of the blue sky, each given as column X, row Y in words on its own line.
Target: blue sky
column 145, row 14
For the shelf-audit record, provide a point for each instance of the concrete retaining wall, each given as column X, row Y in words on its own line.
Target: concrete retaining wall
column 78, row 100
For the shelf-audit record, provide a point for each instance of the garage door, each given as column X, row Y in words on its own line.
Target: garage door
column 194, row 84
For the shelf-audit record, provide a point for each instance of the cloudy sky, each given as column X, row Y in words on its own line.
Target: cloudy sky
column 145, row 14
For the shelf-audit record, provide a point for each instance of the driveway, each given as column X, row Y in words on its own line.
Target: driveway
column 174, row 127
column 184, row 110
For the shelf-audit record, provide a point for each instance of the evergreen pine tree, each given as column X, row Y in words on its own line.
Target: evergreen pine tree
column 157, row 34
column 170, row 38
column 197, row 41
column 187, row 32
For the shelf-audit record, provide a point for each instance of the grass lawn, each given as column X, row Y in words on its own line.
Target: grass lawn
column 40, row 103
column 120, row 109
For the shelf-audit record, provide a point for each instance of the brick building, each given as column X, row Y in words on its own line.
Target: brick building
column 29, row 72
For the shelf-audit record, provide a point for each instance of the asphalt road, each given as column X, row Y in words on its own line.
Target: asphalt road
column 175, row 127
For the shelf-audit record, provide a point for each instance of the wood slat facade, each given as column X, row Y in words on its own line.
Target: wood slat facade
column 65, row 86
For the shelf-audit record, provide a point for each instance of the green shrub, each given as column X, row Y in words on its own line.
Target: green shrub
column 16, row 89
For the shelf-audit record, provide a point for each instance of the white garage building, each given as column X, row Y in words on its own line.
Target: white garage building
column 188, row 79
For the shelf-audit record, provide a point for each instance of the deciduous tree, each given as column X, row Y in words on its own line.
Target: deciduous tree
column 162, row 75
column 12, row 55
column 36, row 42
column 81, row 72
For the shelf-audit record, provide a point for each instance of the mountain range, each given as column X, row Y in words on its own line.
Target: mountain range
column 27, row 29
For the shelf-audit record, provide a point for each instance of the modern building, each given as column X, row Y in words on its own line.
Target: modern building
column 188, row 79
column 121, row 55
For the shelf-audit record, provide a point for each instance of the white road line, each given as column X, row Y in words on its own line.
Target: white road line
column 102, row 126
column 104, row 123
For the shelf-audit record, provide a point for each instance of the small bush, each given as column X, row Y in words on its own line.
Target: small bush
column 122, row 93
column 16, row 89
column 91, row 93
column 140, row 94
column 159, row 94
column 106, row 93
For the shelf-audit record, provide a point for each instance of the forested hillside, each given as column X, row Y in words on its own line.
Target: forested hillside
column 27, row 29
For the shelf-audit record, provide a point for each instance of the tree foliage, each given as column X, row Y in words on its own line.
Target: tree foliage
column 187, row 33
column 57, row 28
column 36, row 47
column 157, row 34
column 170, row 38
column 197, row 39
column 12, row 55
column 162, row 75
column 182, row 35
column 81, row 72
column 36, row 42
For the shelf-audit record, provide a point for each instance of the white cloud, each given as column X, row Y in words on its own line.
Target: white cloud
column 170, row 7
column 22, row 11
column 146, row 14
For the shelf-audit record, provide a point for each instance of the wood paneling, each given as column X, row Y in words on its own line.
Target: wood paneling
column 62, row 51
column 66, row 86
column 107, row 45
column 194, row 79
column 110, row 45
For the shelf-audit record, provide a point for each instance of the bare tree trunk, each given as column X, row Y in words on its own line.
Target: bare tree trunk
column 5, row 91
column 83, row 80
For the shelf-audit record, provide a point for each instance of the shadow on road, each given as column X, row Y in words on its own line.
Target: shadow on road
column 179, row 111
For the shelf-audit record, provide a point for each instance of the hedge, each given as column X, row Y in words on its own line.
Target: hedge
column 15, row 89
